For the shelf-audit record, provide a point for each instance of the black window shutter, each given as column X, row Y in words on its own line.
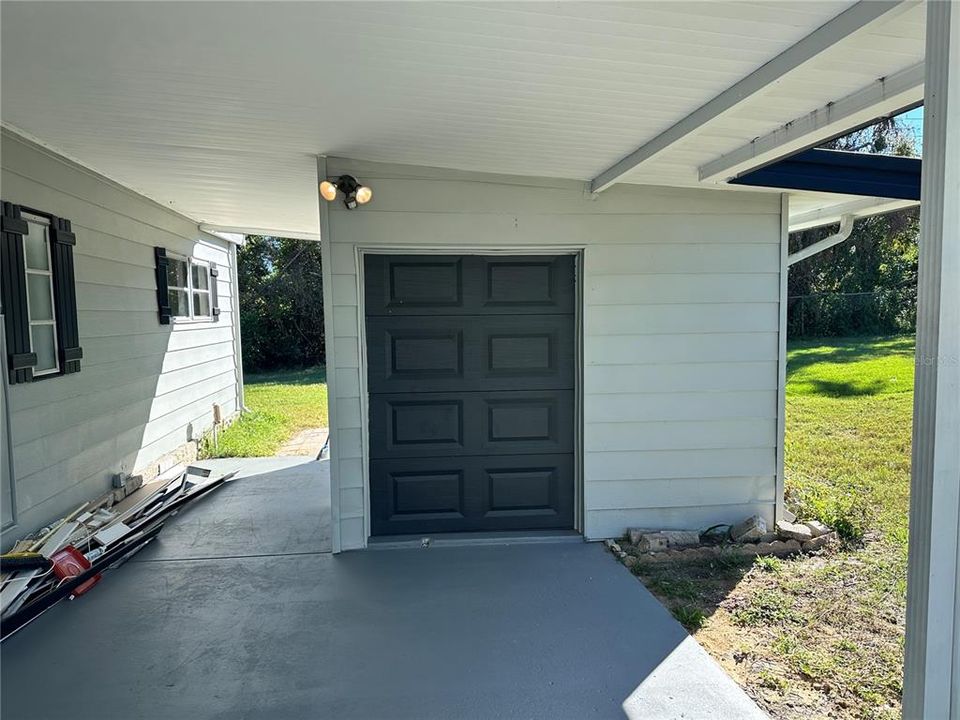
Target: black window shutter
column 163, row 294
column 20, row 360
column 214, row 298
column 62, row 241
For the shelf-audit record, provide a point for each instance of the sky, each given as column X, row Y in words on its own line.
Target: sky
column 914, row 119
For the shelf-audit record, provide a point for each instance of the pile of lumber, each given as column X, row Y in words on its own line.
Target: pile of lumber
column 68, row 558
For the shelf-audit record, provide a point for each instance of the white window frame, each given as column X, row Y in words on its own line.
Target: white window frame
column 190, row 289
column 48, row 273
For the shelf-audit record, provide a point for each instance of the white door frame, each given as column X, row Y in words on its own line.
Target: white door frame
column 577, row 251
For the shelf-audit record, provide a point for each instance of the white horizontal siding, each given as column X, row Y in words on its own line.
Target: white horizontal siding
column 660, row 348
column 679, row 435
column 664, row 464
column 680, row 377
column 684, row 288
column 680, row 323
column 702, row 257
column 630, row 495
column 658, row 406
column 144, row 388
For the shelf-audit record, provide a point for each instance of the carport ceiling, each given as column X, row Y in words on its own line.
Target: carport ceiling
column 218, row 109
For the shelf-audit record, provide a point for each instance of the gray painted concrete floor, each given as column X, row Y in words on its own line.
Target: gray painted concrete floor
column 238, row 610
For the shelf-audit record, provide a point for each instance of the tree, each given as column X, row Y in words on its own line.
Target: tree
column 866, row 285
column 281, row 303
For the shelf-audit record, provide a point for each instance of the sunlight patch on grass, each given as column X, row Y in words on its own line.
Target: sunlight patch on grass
column 850, row 367
column 280, row 405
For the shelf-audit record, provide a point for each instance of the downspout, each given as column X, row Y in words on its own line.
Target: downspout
column 846, row 227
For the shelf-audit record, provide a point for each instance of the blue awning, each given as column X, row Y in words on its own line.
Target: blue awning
column 840, row 171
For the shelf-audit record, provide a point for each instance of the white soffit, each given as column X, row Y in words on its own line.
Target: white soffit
column 219, row 108
column 845, row 68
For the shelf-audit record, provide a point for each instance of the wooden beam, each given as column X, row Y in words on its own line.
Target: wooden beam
column 882, row 98
column 931, row 683
column 862, row 15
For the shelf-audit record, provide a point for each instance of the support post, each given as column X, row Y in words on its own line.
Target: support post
column 778, row 513
column 932, row 647
column 326, row 267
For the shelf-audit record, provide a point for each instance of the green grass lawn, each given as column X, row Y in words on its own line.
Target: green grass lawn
column 820, row 636
column 281, row 404
column 849, row 421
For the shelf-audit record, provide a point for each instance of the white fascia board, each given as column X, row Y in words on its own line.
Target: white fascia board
column 882, row 98
column 854, row 19
column 831, row 214
column 272, row 232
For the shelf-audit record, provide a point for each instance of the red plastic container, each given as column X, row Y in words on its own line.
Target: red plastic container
column 70, row 562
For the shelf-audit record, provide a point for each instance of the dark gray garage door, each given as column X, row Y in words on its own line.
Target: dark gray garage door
column 471, row 377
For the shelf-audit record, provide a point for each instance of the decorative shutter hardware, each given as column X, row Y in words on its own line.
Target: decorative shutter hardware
column 61, row 233
column 14, row 224
column 163, row 290
column 23, row 360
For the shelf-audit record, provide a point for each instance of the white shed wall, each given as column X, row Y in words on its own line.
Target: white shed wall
column 144, row 389
column 680, row 332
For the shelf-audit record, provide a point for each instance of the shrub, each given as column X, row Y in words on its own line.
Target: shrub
column 848, row 510
column 691, row 617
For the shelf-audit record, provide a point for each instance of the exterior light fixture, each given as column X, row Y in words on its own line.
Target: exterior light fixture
column 328, row 191
column 353, row 192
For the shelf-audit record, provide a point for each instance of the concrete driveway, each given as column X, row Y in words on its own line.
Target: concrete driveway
column 239, row 610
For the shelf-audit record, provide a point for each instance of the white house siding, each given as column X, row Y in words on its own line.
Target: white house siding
column 680, row 331
column 144, row 389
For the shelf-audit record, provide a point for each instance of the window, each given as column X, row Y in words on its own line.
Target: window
column 38, row 295
column 41, row 315
column 186, row 287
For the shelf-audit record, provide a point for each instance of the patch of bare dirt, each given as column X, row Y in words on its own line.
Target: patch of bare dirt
column 815, row 636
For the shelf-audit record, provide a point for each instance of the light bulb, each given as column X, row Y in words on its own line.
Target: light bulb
column 364, row 195
column 328, row 191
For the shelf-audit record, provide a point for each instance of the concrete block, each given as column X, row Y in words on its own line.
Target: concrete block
column 788, row 547
column 636, row 533
column 792, row 531
column 817, row 528
column 765, row 548
column 681, row 538
column 819, row 542
column 652, row 542
column 749, row 530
